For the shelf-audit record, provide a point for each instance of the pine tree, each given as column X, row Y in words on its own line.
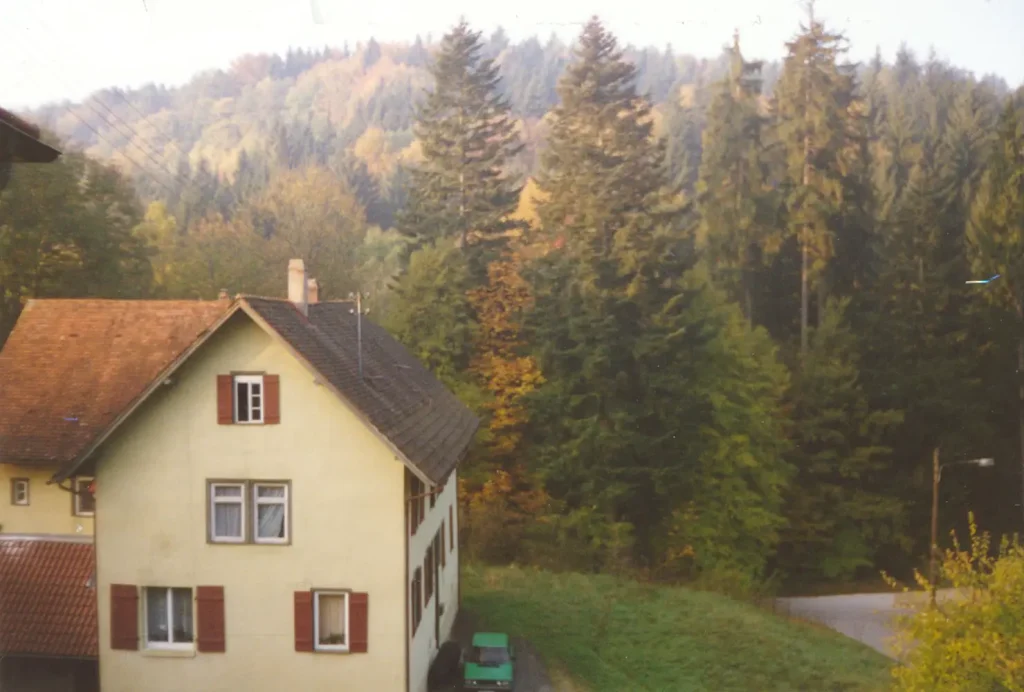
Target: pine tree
column 733, row 199
column 996, row 232
column 462, row 189
column 812, row 107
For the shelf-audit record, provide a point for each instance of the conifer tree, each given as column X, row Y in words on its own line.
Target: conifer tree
column 996, row 232
column 733, row 199
column 838, row 507
column 462, row 189
column 812, row 108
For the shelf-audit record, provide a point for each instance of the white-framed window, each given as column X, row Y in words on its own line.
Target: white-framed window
column 330, row 620
column 84, row 500
column 270, row 512
column 19, row 491
column 227, row 512
column 248, row 398
column 168, row 617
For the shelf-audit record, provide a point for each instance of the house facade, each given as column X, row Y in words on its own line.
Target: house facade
column 276, row 508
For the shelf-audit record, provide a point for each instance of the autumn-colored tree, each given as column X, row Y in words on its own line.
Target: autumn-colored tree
column 504, row 371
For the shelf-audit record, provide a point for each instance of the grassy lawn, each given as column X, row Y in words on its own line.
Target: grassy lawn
column 613, row 635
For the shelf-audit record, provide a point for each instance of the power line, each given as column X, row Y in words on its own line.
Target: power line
column 130, row 138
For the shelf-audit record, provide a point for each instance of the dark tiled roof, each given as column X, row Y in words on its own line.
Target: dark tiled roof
column 47, row 598
column 400, row 397
column 71, row 366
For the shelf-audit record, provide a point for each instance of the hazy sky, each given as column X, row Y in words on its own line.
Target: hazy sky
column 56, row 49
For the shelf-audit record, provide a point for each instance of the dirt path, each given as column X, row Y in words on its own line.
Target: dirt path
column 531, row 674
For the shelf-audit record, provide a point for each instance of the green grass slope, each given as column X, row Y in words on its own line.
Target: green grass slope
column 614, row 635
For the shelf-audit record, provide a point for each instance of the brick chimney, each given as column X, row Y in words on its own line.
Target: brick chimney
column 312, row 292
column 297, row 287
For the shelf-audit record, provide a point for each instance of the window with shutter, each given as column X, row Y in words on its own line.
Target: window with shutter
column 210, row 633
column 303, row 620
column 124, row 617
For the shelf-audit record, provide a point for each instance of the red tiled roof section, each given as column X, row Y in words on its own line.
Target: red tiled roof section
column 47, row 599
column 71, row 366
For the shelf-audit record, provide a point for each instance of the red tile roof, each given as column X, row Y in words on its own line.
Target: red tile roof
column 47, row 598
column 71, row 366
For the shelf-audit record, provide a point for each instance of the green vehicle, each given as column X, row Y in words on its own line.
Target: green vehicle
column 490, row 663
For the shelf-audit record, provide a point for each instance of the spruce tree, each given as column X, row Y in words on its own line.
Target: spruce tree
column 812, row 106
column 733, row 198
column 462, row 189
column 636, row 346
column 839, row 509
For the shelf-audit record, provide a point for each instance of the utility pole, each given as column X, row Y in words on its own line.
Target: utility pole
column 933, row 560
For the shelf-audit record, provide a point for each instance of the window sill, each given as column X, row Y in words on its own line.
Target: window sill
column 331, row 651
column 169, row 653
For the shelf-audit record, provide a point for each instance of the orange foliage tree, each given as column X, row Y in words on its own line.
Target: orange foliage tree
column 499, row 494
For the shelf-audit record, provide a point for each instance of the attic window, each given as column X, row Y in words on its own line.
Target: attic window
column 249, row 398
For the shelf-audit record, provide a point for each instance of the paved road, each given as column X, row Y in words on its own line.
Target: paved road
column 865, row 617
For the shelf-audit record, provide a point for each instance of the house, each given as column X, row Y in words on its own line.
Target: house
column 275, row 506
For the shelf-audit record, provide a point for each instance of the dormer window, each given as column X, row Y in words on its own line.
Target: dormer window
column 249, row 398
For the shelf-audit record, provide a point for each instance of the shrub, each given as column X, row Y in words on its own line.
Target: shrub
column 974, row 641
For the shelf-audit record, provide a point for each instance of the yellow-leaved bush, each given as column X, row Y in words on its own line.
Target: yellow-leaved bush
column 974, row 640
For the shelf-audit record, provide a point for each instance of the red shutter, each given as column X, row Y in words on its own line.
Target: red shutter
column 124, row 617
column 210, row 619
column 303, row 620
column 451, row 527
column 272, row 396
column 444, row 560
column 225, row 400
column 359, row 622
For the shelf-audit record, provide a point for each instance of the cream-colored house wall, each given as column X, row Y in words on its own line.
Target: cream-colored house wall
column 347, row 518
column 425, row 643
column 49, row 510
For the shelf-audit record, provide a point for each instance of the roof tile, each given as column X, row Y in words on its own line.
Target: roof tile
column 71, row 366
column 47, row 600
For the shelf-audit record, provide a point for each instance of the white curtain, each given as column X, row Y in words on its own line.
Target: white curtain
column 271, row 521
column 156, row 615
column 182, row 602
column 227, row 519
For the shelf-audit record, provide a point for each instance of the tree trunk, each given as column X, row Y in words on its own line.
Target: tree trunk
column 1020, row 396
column 804, row 296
